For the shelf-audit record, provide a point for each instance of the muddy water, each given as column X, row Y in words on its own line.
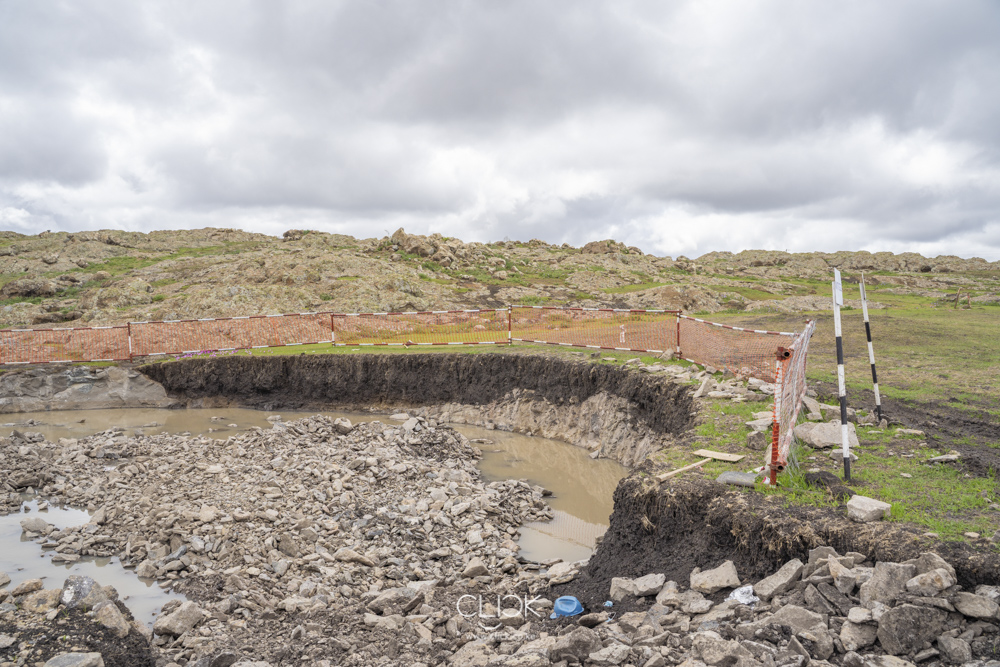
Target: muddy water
column 22, row 559
column 216, row 422
column 582, row 488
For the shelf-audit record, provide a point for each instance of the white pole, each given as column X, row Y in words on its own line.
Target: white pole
column 871, row 350
column 838, row 301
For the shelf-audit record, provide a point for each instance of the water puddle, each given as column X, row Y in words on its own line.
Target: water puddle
column 582, row 488
column 23, row 559
column 218, row 423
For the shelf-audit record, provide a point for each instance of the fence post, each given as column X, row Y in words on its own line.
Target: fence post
column 779, row 371
column 871, row 349
column 510, row 324
column 129, row 325
column 333, row 330
column 678, row 335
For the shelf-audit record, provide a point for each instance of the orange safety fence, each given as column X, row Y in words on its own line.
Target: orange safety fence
column 790, row 390
column 772, row 356
column 653, row 331
column 745, row 353
column 229, row 333
column 448, row 327
column 34, row 346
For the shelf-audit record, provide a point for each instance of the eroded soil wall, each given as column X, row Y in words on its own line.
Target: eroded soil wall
column 365, row 380
column 700, row 523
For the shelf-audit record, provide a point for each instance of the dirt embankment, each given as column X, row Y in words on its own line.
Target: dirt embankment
column 366, row 380
column 698, row 523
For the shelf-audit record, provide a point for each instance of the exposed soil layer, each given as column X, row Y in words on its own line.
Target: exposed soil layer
column 946, row 427
column 700, row 523
column 422, row 379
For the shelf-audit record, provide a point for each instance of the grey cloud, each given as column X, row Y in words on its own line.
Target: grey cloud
column 563, row 120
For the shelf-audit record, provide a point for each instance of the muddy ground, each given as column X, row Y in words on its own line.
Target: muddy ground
column 947, row 427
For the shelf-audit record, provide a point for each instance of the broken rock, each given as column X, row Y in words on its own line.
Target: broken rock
column 714, row 580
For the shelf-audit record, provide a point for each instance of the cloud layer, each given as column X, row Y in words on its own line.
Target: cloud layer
column 678, row 127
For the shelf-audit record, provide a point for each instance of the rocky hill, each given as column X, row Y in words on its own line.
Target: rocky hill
column 109, row 276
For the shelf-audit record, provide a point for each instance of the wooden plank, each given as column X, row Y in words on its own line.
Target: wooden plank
column 667, row 475
column 720, row 456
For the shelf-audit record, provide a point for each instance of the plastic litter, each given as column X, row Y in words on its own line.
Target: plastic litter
column 567, row 605
column 609, row 603
column 744, row 595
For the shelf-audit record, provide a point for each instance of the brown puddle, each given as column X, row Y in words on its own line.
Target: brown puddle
column 582, row 488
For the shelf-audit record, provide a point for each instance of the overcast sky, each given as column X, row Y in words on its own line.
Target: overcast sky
column 679, row 127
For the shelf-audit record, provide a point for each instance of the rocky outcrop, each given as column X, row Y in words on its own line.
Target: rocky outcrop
column 79, row 388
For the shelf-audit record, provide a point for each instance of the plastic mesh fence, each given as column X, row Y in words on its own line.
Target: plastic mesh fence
column 788, row 398
column 236, row 333
column 743, row 352
column 456, row 327
column 633, row 330
column 39, row 346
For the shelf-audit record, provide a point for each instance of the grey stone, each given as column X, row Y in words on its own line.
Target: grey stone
column 824, row 435
column 350, row 556
column 179, row 621
column 930, row 583
column 111, row 617
column 578, row 644
column 714, row 580
column 41, row 602
column 475, row 568
column 81, row 388
column 795, row 617
column 25, row 587
column 859, row 615
column 649, row 584
column 395, row 601
column 713, row 650
column 736, row 478
column 621, row 588
column 615, row 654
column 888, row 580
column 78, row 591
column 886, row 661
column 36, row 524
column 146, row 569
column 865, row 510
column 817, row 602
column 905, row 628
column 780, row 581
column 956, row 651
column 975, row 606
column 928, row 561
column 4, row 579
column 856, row 636
column 668, row 594
column 835, row 597
column 76, row 660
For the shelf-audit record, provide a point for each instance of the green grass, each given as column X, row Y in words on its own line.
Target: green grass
column 938, row 498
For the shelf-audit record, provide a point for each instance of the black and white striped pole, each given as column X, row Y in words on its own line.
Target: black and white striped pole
column 838, row 301
column 871, row 350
